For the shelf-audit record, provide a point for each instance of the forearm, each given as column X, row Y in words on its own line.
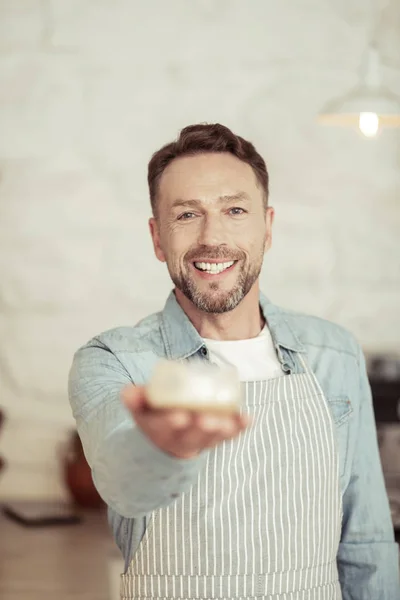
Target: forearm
column 132, row 475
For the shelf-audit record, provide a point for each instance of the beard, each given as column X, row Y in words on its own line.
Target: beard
column 214, row 299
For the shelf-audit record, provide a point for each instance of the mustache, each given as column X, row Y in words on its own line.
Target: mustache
column 213, row 253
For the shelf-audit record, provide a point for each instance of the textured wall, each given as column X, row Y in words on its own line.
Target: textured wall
column 88, row 90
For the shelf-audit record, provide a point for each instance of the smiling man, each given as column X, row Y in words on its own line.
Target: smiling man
column 287, row 498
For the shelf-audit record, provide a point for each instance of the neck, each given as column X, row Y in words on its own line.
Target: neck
column 243, row 322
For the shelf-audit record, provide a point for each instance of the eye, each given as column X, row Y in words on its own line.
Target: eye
column 236, row 210
column 186, row 216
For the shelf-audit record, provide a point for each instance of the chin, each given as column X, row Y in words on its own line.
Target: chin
column 216, row 303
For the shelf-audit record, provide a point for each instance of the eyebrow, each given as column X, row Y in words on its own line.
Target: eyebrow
column 193, row 203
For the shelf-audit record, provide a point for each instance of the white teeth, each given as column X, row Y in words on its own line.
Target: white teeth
column 213, row 267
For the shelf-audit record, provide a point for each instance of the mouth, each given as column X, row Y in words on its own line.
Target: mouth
column 214, row 268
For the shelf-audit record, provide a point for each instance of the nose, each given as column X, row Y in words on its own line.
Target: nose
column 212, row 231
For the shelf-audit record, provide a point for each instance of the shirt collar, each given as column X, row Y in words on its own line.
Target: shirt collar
column 182, row 340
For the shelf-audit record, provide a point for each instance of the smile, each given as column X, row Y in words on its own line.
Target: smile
column 214, row 268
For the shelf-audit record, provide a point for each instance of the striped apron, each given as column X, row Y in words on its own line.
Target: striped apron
column 264, row 519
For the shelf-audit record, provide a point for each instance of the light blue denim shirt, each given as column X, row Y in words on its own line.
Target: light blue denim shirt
column 134, row 477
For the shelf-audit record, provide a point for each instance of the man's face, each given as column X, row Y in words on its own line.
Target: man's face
column 211, row 229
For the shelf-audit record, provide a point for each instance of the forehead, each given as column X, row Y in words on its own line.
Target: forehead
column 207, row 177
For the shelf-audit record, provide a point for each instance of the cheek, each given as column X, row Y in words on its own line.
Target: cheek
column 252, row 243
column 174, row 248
column 180, row 240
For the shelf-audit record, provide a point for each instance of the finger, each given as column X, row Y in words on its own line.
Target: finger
column 178, row 419
column 221, row 423
column 210, row 423
column 244, row 420
column 134, row 397
column 232, row 427
column 163, row 423
column 214, row 428
column 191, row 439
column 225, row 433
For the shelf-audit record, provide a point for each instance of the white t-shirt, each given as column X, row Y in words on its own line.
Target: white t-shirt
column 255, row 359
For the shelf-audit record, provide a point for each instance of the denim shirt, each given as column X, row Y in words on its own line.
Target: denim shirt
column 134, row 477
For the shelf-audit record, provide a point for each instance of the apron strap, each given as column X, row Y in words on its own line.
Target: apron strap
column 310, row 372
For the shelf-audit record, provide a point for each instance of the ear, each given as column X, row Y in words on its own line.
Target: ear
column 155, row 236
column 269, row 219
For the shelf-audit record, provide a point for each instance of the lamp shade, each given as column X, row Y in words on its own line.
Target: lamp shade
column 363, row 100
column 370, row 105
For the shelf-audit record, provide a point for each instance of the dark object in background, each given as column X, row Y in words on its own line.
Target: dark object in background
column 77, row 475
column 41, row 514
column 386, row 399
column 2, row 460
column 384, row 367
column 384, row 377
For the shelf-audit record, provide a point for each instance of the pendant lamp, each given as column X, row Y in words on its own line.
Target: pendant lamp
column 370, row 105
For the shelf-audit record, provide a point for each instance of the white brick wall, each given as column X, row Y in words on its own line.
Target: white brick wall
column 88, row 90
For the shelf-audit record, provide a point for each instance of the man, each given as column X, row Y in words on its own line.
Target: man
column 286, row 502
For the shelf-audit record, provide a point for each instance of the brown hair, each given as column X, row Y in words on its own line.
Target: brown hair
column 201, row 139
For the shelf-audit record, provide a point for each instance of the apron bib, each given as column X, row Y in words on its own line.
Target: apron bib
column 264, row 519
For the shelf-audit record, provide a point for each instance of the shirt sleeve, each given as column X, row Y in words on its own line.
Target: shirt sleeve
column 132, row 475
column 368, row 557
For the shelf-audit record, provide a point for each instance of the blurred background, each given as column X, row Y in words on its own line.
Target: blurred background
column 88, row 91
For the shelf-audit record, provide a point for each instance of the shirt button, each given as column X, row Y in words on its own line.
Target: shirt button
column 204, row 351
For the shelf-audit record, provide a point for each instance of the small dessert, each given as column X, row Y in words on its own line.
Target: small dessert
column 194, row 385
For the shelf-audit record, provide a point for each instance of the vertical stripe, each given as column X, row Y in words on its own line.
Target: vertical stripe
column 199, row 545
column 275, row 477
column 328, row 464
column 286, row 563
column 159, row 566
column 146, row 564
column 175, row 530
column 303, row 534
column 215, row 530
column 190, row 519
column 314, row 474
column 243, row 507
column 318, row 431
column 280, row 547
column 331, row 506
column 311, row 496
column 266, row 457
column 168, row 541
column 323, row 420
column 229, row 515
column 222, row 519
column 334, row 499
column 206, row 548
column 173, row 587
column 183, row 535
column 291, row 506
column 250, row 491
column 262, row 517
column 236, row 502
column 287, row 432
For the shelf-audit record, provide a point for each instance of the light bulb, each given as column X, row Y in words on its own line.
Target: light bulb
column 369, row 124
